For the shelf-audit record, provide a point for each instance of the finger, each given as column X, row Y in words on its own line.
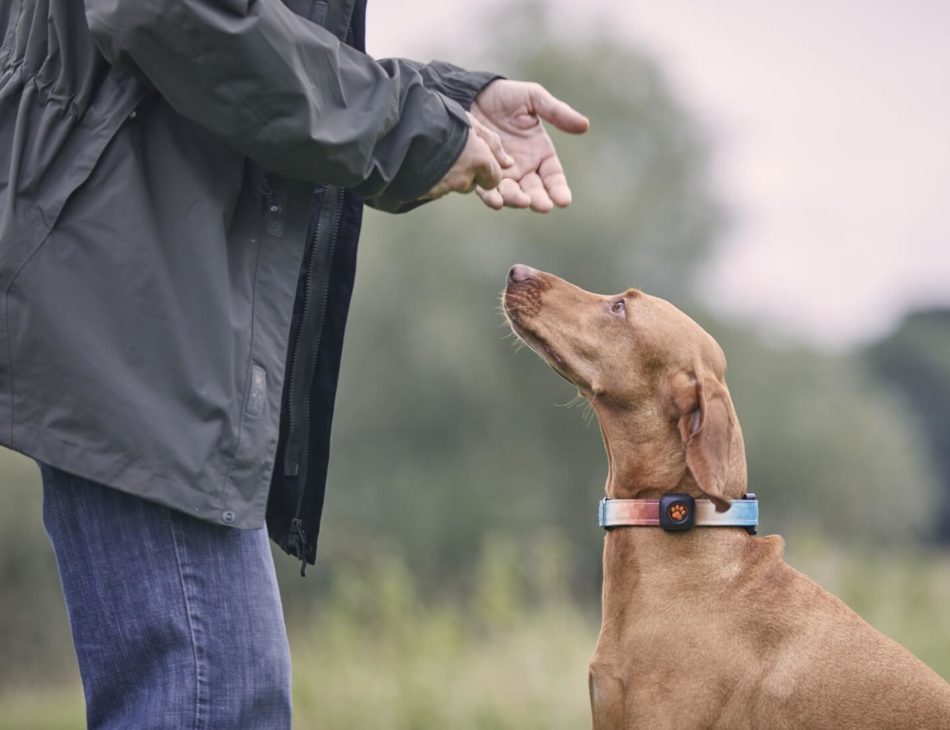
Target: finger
column 512, row 195
column 492, row 198
column 559, row 113
column 555, row 181
column 493, row 141
column 540, row 200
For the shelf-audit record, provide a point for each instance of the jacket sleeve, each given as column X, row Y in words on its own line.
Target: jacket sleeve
column 287, row 93
column 457, row 84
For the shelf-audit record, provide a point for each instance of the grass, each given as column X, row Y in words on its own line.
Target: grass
column 435, row 674
column 53, row 708
column 377, row 656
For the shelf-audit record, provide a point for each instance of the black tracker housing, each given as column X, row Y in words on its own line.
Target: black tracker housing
column 677, row 512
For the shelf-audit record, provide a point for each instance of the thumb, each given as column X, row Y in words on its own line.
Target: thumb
column 559, row 113
column 487, row 172
column 493, row 141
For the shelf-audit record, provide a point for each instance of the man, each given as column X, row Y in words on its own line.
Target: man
column 182, row 190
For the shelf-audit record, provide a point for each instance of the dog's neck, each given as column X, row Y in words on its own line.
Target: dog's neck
column 647, row 570
column 635, row 554
column 645, row 567
column 638, row 470
column 638, row 467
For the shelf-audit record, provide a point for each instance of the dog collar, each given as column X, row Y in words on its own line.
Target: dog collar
column 677, row 512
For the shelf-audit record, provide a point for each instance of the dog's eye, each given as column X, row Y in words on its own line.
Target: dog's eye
column 619, row 307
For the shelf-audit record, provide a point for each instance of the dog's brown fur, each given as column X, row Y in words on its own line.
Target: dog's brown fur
column 709, row 628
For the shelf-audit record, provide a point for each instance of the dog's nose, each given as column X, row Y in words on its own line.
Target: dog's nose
column 520, row 272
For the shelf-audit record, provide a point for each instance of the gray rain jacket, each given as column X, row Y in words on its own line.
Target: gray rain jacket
column 182, row 184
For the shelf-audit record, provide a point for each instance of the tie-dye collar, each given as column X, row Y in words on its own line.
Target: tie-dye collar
column 678, row 512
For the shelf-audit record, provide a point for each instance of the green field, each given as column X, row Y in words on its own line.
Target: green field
column 376, row 656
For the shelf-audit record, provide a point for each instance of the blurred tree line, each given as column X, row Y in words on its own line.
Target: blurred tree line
column 915, row 360
column 451, row 454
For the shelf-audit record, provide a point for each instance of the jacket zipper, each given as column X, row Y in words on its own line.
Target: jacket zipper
column 307, row 345
column 297, row 449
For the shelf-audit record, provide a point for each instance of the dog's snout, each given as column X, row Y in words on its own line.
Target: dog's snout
column 520, row 272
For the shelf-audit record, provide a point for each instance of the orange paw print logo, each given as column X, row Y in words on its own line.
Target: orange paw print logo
column 676, row 511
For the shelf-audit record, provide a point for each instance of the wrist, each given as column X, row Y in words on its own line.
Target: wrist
column 474, row 84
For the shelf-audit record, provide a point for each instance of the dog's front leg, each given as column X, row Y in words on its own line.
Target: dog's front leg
column 606, row 699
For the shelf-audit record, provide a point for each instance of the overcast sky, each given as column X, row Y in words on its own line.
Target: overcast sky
column 831, row 125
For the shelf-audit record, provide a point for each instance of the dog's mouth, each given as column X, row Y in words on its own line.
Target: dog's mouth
column 522, row 302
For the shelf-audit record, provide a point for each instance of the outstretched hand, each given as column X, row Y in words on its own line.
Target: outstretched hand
column 514, row 110
column 508, row 158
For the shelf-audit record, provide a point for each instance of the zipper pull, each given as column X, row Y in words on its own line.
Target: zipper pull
column 297, row 542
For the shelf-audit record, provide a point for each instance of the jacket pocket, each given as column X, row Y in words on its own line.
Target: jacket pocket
column 49, row 153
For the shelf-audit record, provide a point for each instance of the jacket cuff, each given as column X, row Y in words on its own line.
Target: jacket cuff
column 459, row 85
column 414, row 181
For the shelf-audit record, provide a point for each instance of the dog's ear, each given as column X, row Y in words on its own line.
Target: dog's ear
column 706, row 427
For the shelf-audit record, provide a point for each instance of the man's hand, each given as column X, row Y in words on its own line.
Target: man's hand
column 513, row 110
column 479, row 164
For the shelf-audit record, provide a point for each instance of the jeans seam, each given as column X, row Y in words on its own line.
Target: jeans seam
column 200, row 681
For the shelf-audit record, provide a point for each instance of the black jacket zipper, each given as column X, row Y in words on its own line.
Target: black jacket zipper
column 316, row 292
column 305, row 351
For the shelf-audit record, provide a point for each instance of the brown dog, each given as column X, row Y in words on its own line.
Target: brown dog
column 707, row 628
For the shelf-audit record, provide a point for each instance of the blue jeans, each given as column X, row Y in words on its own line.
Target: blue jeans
column 177, row 622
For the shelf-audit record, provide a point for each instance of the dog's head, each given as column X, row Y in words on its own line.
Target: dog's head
column 656, row 380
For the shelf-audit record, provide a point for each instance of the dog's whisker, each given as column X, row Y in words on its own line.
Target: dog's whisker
column 589, row 413
column 568, row 403
column 576, row 400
